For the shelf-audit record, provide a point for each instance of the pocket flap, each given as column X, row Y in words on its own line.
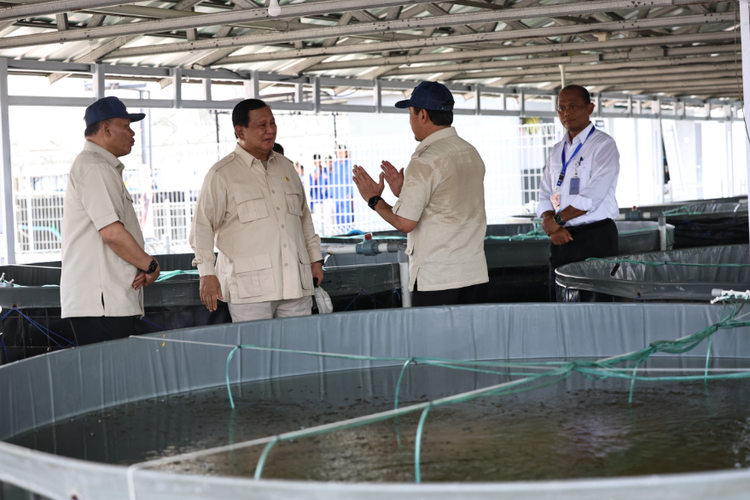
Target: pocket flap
column 291, row 188
column 252, row 263
column 246, row 194
column 304, row 258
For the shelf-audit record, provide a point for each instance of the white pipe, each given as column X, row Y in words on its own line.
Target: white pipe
column 662, row 232
column 403, row 268
column 351, row 248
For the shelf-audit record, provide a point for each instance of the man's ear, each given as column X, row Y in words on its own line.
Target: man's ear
column 239, row 132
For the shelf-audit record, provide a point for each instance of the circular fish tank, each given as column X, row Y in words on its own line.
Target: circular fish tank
column 491, row 401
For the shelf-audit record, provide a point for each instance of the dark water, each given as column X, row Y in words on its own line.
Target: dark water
column 575, row 429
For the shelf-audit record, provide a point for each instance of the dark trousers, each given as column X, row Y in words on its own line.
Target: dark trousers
column 474, row 294
column 88, row 330
column 597, row 239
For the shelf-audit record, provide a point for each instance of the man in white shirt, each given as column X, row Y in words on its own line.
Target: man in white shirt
column 440, row 205
column 577, row 201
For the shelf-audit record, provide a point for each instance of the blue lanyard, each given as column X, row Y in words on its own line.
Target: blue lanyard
column 566, row 163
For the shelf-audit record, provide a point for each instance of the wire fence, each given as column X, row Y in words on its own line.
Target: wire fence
column 514, row 157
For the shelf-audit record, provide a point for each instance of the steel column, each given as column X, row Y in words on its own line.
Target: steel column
column 252, row 87
column 99, row 78
column 177, row 84
column 207, row 89
column 7, row 227
column 316, row 94
column 744, row 7
column 377, row 96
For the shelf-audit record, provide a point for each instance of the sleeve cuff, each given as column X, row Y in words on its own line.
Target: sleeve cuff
column 106, row 220
column 315, row 254
column 582, row 203
column 406, row 211
column 205, row 268
column 544, row 206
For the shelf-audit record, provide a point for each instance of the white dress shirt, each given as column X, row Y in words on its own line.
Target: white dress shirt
column 597, row 165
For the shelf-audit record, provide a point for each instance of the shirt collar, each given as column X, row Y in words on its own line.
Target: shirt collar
column 436, row 136
column 109, row 157
column 582, row 135
column 249, row 159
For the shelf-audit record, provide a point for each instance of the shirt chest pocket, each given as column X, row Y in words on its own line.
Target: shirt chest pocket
column 250, row 204
column 581, row 170
column 294, row 198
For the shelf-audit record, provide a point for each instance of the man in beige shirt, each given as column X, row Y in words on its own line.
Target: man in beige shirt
column 104, row 266
column 253, row 208
column 440, row 205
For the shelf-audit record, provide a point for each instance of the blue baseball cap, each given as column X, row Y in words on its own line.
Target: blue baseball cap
column 429, row 95
column 109, row 107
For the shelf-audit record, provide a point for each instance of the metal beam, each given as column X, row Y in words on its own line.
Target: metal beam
column 543, row 65
column 529, row 50
column 385, row 27
column 439, row 41
column 7, row 226
column 53, row 7
column 602, row 71
column 594, row 77
column 219, row 18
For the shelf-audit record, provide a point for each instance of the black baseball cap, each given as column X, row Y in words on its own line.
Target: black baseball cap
column 109, row 107
column 429, row 95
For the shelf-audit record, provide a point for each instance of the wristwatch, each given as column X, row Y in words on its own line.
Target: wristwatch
column 151, row 267
column 373, row 201
column 558, row 219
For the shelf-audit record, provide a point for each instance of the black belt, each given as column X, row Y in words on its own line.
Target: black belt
column 590, row 225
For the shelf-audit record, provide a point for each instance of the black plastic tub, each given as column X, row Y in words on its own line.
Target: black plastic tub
column 517, row 256
column 686, row 275
column 698, row 223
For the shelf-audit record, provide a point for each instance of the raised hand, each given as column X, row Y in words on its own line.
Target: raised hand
column 367, row 187
column 394, row 178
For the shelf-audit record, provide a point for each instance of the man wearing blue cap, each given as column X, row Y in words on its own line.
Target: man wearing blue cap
column 440, row 205
column 104, row 266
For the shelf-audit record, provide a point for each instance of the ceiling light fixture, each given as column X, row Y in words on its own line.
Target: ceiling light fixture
column 273, row 8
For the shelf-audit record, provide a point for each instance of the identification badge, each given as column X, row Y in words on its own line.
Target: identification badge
column 555, row 199
column 575, row 185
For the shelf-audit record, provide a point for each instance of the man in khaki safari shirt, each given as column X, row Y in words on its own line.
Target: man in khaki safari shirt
column 440, row 205
column 252, row 207
column 104, row 267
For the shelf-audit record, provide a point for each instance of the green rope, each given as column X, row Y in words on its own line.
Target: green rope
column 551, row 372
column 166, row 275
column 229, row 389
column 683, row 210
column 398, row 384
column 263, row 457
column 418, row 444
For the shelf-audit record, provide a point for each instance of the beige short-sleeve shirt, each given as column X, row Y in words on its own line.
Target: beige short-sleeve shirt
column 260, row 222
column 95, row 281
column 444, row 191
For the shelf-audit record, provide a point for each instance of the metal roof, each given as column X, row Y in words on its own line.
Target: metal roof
column 663, row 47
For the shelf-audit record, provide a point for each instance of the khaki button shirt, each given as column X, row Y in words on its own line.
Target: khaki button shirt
column 95, row 281
column 259, row 220
column 444, row 191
